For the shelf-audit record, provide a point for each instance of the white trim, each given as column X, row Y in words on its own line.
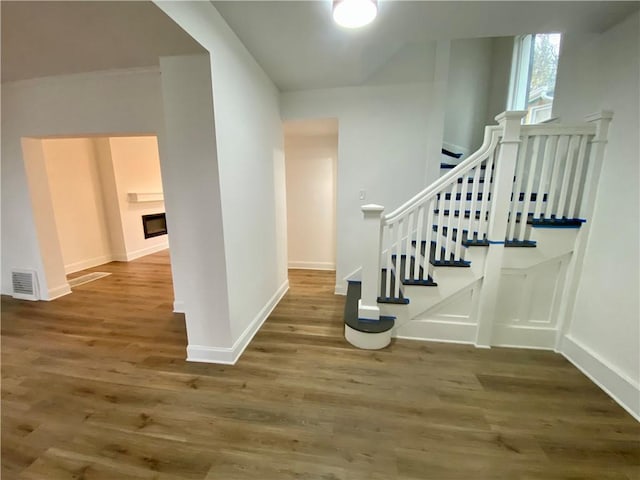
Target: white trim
column 229, row 356
column 311, row 265
column 178, row 306
column 367, row 341
column 622, row 388
column 341, row 287
column 437, row 331
column 84, row 264
column 57, row 292
column 523, row 336
column 146, row 251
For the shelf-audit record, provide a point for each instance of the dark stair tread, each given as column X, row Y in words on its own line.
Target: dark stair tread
column 401, row 300
column 351, row 313
column 440, row 263
column 554, row 222
column 449, row 153
column 449, row 166
column 466, row 242
column 421, row 281
column 520, row 243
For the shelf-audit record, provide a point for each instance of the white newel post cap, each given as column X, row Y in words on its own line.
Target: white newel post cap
column 601, row 115
column 372, row 210
column 511, row 121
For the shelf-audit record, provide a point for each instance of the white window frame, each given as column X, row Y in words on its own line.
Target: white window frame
column 520, row 63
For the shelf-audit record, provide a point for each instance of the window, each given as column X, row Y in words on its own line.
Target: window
column 533, row 75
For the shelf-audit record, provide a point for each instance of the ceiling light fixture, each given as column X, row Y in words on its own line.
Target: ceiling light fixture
column 354, row 13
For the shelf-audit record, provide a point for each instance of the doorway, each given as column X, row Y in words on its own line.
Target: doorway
column 98, row 191
column 311, row 154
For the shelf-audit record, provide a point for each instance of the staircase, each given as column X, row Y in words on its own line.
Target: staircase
column 488, row 254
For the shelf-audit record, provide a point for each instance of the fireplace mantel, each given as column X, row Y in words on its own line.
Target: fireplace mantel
column 145, row 197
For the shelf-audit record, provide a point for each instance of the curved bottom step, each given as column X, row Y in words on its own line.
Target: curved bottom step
column 367, row 340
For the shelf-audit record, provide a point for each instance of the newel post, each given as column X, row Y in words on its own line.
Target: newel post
column 371, row 242
column 601, row 120
column 574, row 269
column 502, row 190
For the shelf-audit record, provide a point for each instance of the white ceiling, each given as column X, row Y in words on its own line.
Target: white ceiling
column 300, row 47
column 54, row 38
column 296, row 42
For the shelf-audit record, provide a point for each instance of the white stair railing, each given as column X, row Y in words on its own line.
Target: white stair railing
column 547, row 172
column 437, row 218
column 550, row 175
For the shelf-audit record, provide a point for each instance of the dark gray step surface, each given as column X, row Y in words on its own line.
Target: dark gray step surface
column 351, row 313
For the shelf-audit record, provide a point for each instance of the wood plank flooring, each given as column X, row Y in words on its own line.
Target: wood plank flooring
column 95, row 386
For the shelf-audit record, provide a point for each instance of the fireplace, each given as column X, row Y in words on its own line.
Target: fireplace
column 154, row 225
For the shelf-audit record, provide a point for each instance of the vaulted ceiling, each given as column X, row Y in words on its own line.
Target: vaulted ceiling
column 300, row 47
column 295, row 42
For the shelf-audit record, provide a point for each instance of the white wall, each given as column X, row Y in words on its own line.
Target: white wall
column 77, row 105
column 382, row 148
column 49, row 267
column 602, row 72
column 501, row 57
column 249, row 156
column 311, row 200
column 77, row 199
column 467, row 93
column 136, row 167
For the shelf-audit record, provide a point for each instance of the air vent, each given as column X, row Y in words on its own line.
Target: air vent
column 25, row 286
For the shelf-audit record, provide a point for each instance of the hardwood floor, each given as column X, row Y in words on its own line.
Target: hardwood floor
column 95, row 386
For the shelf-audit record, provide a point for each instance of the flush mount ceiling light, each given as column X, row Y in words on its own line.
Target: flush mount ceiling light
column 354, row 13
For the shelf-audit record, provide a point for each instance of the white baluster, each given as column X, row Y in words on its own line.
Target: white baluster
column 371, row 243
column 486, row 193
column 409, row 265
column 566, row 176
column 529, row 189
column 441, row 221
column 428, row 235
column 398, row 245
column 553, row 187
column 418, row 240
column 547, row 161
column 475, row 191
column 577, row 179
column 460, row 223
column 515, row 203
column 387, row 280
column 452, row 219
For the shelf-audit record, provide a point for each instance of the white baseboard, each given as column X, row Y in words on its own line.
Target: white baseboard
column 84, row 264
column 312, row 265
column 146, row 251
column 57, row 292
column 623, row 389
column 516, row 336
column 437, row 331
column 178, row 306
column 341, row 287
column 229, row 356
